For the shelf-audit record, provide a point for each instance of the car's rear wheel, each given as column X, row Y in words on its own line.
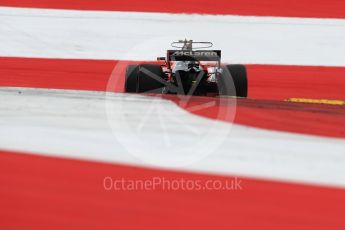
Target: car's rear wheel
column 233, row 81
column 131, row 78
column 144, row 78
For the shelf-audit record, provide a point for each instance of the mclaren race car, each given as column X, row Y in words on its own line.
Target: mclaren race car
column 192, row 69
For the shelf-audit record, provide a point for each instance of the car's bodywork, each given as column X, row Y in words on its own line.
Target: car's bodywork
column 189, row 70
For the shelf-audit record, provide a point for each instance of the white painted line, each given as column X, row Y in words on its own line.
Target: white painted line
column 144, row 36
column 73, row 124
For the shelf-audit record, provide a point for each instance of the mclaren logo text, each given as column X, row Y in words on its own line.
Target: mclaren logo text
column 195, row 53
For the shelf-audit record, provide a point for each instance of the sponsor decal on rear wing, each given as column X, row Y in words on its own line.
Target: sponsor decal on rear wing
column 189, row 55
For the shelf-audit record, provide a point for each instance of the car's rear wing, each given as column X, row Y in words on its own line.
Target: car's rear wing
column 193, row 55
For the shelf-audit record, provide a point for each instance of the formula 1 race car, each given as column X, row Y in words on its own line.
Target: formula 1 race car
column 188, row 71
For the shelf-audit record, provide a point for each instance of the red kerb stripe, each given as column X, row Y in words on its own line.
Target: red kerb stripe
column 284, row 8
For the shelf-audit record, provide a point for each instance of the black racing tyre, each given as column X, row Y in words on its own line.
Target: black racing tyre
column 150, row 78
column 144, row 78
column 131, row 78
column 233, row 81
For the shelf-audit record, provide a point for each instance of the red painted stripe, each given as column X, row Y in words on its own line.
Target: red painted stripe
column 322, row 120
column 285, row 8
column 276, row 82
column 281, row 82
column 55, row 73
column 266, row 83
column 50, row 193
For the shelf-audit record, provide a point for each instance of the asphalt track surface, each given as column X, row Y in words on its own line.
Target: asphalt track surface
column 42, row 192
